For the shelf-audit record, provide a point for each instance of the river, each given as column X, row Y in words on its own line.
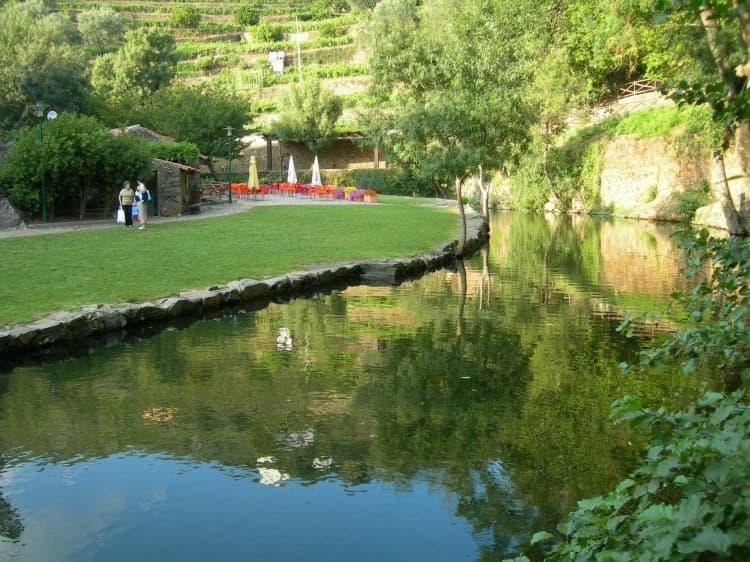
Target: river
column 445, row 419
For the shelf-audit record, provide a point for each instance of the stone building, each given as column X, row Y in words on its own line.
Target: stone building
column 175, row 187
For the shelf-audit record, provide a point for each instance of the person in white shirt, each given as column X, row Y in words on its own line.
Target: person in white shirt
column 143, row 196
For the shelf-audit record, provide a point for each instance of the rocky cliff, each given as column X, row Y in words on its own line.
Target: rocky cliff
column 643, row 178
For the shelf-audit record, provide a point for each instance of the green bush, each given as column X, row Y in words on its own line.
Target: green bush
column 267, row 33
column 185, row 17
column 690, row 200
column 184, row 152
column 330, row 29
column 247, row 14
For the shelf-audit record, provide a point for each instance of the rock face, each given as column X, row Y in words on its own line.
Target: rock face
column 9, row 217
column 644, row 179
column 96, row 321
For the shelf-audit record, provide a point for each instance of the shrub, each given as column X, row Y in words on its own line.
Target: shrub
column 247, row 14
column 690, row 200
column 184, row 152
column 185, row 17
column 330, row 29
column 267, row 33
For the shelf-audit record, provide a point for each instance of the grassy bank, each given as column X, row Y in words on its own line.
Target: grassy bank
column 51, row 272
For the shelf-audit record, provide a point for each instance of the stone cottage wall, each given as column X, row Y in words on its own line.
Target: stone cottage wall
column 174, row 189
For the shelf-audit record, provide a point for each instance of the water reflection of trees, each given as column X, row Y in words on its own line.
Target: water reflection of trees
column 509, row 412
column 11, row 526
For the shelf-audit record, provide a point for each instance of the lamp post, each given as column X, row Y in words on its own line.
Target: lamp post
column 39, row 112
column 229, row 140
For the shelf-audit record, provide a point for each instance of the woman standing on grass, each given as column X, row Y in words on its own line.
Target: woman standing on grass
column 126, row 199
column 143, row 197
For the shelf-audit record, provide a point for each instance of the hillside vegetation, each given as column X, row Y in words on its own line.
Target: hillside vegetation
column 217, row 47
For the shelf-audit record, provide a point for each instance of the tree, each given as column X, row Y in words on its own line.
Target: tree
column 455, row 105
column 197, row 115
column 309, row 116
column 83, row 162
column 38, row 64
column 726, row 94
column 141, row 66
column 101, row 28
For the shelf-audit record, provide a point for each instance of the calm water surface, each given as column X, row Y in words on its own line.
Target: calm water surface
column 445, row 419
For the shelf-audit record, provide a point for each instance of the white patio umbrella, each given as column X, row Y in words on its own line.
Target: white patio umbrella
column 316, row 172
column 291, row 175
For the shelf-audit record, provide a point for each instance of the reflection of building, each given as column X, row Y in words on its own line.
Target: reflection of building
column 297, row 439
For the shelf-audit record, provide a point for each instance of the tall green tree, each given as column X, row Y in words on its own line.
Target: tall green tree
column 198, row 115
column 38, row 63
column 141, row 66
column 309, row 116
column 101, row 28
column 455, row 104
column 727, row 34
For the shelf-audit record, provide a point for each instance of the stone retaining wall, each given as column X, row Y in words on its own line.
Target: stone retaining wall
column 63, row 329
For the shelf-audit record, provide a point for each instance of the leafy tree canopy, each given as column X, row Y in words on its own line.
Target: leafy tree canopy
column 143, row 65
column 101, row 28
column 454, row 104
column 310, row 115
column 197, row 115
column 38, row 64
column 185, row 16
column 247, row 14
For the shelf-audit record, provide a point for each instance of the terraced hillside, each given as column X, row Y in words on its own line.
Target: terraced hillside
column 318, row 39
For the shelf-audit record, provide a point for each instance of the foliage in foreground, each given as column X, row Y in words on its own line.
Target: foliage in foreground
column 690, row 498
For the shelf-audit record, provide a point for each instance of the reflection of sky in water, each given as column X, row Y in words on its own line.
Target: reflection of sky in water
column 342, row 427
column 154, row 508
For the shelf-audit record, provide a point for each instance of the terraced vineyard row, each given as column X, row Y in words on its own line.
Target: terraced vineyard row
column 223, row 52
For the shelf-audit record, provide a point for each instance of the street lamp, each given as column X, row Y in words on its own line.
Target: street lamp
column 229, row 138
column 39, row 112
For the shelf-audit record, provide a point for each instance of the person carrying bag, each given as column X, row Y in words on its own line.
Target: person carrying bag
column 126, row 199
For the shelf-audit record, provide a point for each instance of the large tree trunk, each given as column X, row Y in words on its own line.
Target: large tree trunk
column 723, row 193
column 724, row 197
column 742, row 154
column 462, row 215
column 717, row 51
column 211, row 169
column 743, row 18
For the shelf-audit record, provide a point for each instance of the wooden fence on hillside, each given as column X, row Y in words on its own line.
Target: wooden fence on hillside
column 639, row 87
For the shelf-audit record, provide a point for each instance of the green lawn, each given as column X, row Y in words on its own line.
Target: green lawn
column 50, row 272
